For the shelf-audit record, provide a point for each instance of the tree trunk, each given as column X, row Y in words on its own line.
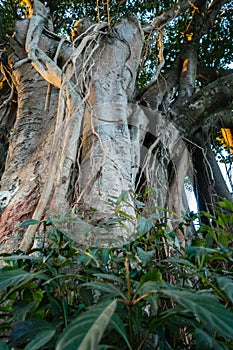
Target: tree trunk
column 68, row 151
column 85, row 139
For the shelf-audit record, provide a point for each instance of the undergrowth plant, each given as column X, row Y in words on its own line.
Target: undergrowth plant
column 148, row 294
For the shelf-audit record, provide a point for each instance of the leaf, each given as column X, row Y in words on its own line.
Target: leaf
column 15, row 277
column 151, row 275
column 226, row 204
column 149, row 287
column 124, row 215
column 226, row 284
column 145, row 257
column 35, row 330
column 27, row 305
column 144, row 225
column 91, row 256
column 30, row 222
column 139, row 204
column 206, row 308
column 104, row 287
column 19, row 257
column 110, row 277
column 200, row 251
column 40, row 339
column 118, row 325
column 86, row 331
column 206, row 342
column 3, row 346
column 22, row 308
column 105, row 255
column 180, row 262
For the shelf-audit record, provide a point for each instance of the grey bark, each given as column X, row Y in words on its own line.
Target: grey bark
column 79, row 135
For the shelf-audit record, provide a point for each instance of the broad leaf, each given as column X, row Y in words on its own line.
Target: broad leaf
column 86, row 331
column 30, row 222
column 35, row 330
column 144, row 225
column 180, row 262
column 149, row 287
column 205, row 342
column 118, row 325
column 40, row 339
column 104, row 287
column 28, row 305
column 152, row 275
column 226, row 204
column 145, row 257
column 19, row 257
column 226, row 284
column 3, row 346
column 16, row 277
column 109, row 277
column 206, row 308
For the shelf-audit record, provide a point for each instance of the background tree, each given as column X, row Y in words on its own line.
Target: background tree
column 128, row 105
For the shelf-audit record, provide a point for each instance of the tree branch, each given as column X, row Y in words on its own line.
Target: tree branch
column 160, row 21
column 208, row 75
column 225, row 119
column 213, row 10
column 203, row 104
column 155, row 91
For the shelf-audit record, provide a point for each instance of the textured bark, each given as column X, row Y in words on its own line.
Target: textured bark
column 81, row 137
column 107, row 164
column 45, row 144
column 202, row 105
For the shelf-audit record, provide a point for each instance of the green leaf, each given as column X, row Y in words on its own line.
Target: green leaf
column 105, row 255
column 179, row 262
column 104, row 287
column 125, row 215
column 226, row 284
column 22, row 308
column 151, row 275
column 144, row 225
column 118, row 325
column 30, row 222
column 88, row 256
column 27, row 305
column 206, row 342
column 3, row 346
column 139, row 204
column 145, row 257
column 15, row 277
column 207, row 308
column 109, row 277
column 86, row 331
column 149, row 287
column 35, row 330
column 226, row 204
column 40, row 339
column 19, row 257
column 200, row 251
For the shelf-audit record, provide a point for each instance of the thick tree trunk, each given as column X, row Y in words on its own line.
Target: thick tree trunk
column 87, row 141
column 107, row 166
column 81, row 137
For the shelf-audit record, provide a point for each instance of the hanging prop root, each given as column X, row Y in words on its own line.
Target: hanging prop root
column 68, row 97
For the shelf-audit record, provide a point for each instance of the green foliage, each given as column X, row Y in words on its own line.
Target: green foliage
column 87, row 330
column 215, row 47
column 136, row 296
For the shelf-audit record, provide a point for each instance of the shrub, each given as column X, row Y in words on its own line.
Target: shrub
column 147, row 294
